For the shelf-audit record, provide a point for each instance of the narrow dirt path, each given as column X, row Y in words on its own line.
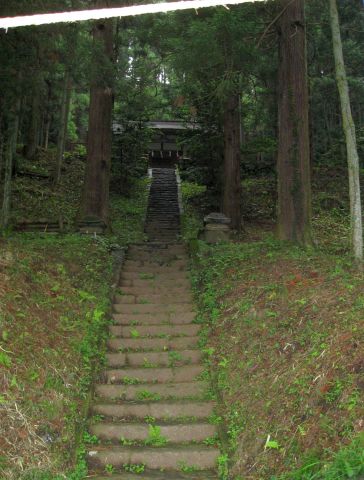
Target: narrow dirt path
column 150, row 412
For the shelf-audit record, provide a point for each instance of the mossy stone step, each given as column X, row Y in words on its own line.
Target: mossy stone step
column 183, row 390
column 153, row 375
column 185, row 433
column 146, row 297
column 152, row 308
column 160, row 476
column 154, row 268
column 148, row 359
column 161, row 410
column 153, row 319
column 161, row 277
column 158, row 248
column 155, row 290
column 167, row 458
column 152, row 344
column 156, row 263
column 158, row 282
column 189, row 330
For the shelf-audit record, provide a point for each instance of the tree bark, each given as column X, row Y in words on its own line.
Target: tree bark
column 232, row 157
column 34, row 125
column 293, row 164
column 95, row 200
column 350, row 137
column 9, row 148
column 62, row 132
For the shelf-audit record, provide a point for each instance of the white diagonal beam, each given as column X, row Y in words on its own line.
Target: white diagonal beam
column 95, row 14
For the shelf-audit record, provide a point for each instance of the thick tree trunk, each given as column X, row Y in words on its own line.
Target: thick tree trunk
column 95, row 200
column 350, row 136
column 294, row 186
column 232, row 157
column 63, row 121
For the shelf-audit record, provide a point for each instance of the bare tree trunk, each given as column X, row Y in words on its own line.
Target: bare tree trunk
column 62, row 132
column 350, row 137
column 95, row 198
column 15, row 133
column 294, row 185
column 33, row 129
column 232, row 157
column 48, row 115
column 9, row 148
column 46, row 132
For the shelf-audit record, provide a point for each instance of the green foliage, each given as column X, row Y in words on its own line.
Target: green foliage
column 136, row 468
column 147, row 395
column 347, row 463
column 186, row 468
column 155, row 437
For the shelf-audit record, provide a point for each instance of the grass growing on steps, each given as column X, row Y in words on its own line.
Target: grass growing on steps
column 284, row 335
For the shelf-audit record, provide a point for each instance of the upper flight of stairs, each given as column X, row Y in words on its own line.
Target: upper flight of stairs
column 163, row 222
column 151, row 408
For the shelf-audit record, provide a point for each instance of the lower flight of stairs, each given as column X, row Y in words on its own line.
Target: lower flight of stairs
column 150, row 416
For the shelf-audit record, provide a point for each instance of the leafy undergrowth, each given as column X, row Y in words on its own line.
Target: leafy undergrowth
column 192, row 194
column 54, row 310
column 35, row 198
column 284, row 338
column 128, row 213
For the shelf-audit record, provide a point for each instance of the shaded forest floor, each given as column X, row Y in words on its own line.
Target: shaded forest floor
column 284, row 335
column 55, row 297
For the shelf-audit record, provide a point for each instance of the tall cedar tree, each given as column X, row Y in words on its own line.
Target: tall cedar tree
column 95, row 196
column 350, row 137
column 232, row 157
column 294, row 187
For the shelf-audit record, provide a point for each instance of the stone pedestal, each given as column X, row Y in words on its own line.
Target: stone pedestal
column 217, row 228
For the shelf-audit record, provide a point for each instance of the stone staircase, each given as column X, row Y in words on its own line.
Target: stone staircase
column 163, row 222
column 150, row 415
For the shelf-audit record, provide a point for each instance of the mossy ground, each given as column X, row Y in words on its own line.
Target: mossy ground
column 284, row 334
column 54, row 311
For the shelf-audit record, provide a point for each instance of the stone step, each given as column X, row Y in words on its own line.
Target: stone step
column 149, row 344
column 166, row 458
column 157, row 257
column 158, row 249
column 158, row 282
column 156, row 289
column 154, row 269
column 153, row 319
column 157, row 226
column 156, row 263
column 182, row 433
column 148, row 475
column 146, row 359
column 160, row 235
column 190, row 330
column 160, row 277
column 152, row 308
column 153, row 298
column 153, row 375
column 140, row 392
column 160, row 410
